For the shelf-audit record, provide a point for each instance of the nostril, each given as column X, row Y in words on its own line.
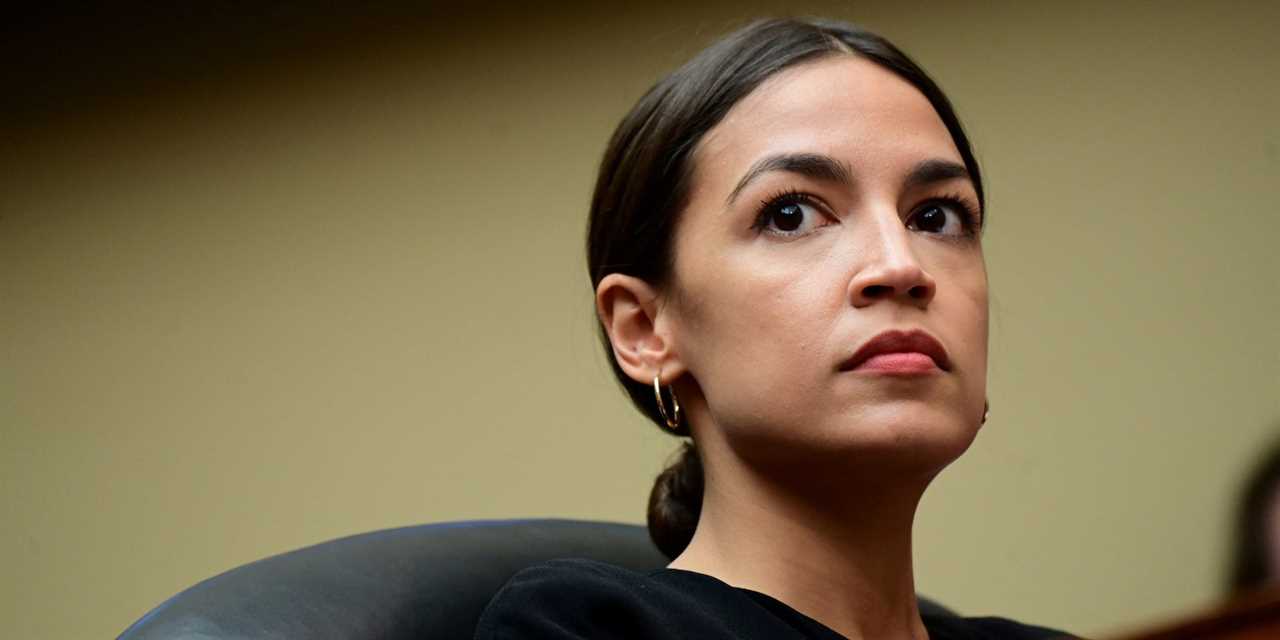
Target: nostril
column 877, row 290
column 919, row 292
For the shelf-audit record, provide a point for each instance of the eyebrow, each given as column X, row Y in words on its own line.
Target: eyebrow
column 932, row 171
column 826, row 168
column 812, row 165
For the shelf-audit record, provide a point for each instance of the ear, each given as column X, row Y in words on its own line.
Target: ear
column 631, row 311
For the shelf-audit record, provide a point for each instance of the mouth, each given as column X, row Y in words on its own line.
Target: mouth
column 899, row 352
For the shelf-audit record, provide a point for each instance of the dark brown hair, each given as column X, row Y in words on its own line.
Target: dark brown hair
column 1251, row 553
column 644, row 183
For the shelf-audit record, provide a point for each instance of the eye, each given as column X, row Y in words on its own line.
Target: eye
column 946, row 217
column 790, row 214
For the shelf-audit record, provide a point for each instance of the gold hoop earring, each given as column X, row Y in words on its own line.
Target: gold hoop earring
column 986, row 411
column 673, row 418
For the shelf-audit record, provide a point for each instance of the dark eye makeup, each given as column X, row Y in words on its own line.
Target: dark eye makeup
column 791, row 213
column 931, row 215
column 787, row 213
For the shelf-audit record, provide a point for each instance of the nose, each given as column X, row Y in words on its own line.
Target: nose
column 891, row 270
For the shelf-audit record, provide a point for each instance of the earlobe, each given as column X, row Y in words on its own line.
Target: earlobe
column 630, row 308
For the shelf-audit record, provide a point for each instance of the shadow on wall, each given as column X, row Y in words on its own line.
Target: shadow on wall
column 105, row 56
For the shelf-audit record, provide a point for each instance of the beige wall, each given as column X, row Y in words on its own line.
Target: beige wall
column 245, row 313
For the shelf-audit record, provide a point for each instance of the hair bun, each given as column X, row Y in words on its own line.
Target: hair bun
column 675, row 502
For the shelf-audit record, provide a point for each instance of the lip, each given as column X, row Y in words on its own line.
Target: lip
column 895, row 341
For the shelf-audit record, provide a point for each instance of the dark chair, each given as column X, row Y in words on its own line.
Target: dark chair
column 427, row 581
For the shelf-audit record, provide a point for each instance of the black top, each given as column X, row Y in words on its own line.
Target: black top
column 567, row 599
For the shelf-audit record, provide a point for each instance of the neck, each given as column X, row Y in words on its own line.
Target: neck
column 838, row 551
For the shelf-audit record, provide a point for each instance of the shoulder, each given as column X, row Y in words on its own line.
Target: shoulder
column 573, row 598
column 577, row 599
column 957, row 628
column 571, row 573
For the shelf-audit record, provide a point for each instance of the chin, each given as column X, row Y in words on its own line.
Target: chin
column 888, row 442
column 922, row 439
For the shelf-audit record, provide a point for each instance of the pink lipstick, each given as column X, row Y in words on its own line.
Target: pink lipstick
column 898, row 352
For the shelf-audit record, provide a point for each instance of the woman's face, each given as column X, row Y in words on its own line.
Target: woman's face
column 829, row 206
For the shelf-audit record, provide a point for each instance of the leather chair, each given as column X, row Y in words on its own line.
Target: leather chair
column 426, row 581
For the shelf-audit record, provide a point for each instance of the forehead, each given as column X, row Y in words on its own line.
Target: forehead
column 844, row 106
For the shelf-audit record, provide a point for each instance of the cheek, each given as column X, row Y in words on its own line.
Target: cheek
column 749, row 316
column 962, row 288
column 959, row 314
column 968, row 303
column 755, row 334
column 978, row 313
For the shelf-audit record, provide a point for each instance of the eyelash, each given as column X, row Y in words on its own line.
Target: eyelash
column 782, row 198
column 970, row 218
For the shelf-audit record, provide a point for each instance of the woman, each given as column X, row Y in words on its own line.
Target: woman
column 785, row 247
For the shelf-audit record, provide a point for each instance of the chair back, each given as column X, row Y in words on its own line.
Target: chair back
column 426, row 581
